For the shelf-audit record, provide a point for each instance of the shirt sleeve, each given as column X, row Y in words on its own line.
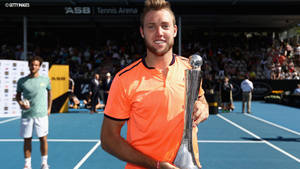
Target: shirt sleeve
column 19, row 88
column 118, row 103
column 49, row 84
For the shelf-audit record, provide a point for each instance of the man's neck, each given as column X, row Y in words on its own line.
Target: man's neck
column 33, row 75
column 159, row 62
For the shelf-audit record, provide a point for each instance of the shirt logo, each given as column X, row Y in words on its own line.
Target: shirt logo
column 42, row 84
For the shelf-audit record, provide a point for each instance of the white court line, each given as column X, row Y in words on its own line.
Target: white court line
column 95, row 140
column 52, row 140
column 87, row 155
column 257, row 137
column 273, row 124
column 8, row 120
column 228, row 141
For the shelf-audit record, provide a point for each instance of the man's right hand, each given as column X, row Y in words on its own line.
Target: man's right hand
column 24, row 106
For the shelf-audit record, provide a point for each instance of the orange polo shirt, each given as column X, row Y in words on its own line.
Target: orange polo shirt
column 153, row 106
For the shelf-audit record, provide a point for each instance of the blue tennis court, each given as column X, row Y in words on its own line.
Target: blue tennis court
column 267, row 139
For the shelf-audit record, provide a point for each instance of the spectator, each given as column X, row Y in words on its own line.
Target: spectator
column 209, row 84
column 87, row 101
column 297, row 54
column 247, row 89
column 74, row 101
column 106, row 86
column 94, row 92
column 226, row 95
column 297, row 90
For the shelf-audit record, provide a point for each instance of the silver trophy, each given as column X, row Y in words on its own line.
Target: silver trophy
column 187, row 156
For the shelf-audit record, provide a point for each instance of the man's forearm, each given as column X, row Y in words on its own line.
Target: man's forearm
column 49, row 101
column 121, row 149
column 115, row 144
column 18, row 98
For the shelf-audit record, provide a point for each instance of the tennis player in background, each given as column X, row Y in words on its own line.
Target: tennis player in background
column 149, row 96
column 36, row 106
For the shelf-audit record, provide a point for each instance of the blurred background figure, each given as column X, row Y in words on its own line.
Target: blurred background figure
column 74, row 101
column 87, row 101
column 94, row 92
column 209, row 84
column 226, row 95
column 297, row 90
column 106, row 85
column 247, row 88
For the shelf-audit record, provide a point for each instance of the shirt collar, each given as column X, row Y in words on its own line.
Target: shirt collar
column 148, row 67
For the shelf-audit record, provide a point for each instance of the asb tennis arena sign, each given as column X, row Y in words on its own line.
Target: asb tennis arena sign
column 100, row 10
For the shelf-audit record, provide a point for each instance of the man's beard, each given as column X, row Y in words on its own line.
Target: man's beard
column 156, row 51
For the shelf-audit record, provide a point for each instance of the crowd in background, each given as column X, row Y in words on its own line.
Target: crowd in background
column 233, row 55
column 260, row 57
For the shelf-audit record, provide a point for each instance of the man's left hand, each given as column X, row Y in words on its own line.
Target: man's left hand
column 200, row 112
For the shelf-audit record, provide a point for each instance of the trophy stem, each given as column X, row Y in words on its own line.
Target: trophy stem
column 186, row 156
column 192, row 86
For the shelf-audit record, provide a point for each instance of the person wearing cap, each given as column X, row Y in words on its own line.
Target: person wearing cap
column 106, row 86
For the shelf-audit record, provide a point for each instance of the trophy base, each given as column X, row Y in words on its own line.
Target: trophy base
column 184, row 158
column 188, row 155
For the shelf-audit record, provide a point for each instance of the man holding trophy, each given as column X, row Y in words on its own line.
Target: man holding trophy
column 161, row 99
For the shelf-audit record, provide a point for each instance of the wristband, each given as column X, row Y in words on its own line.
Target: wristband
column 157, row 165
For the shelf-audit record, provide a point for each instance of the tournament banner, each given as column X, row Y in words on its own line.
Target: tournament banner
column 10, row 72
column 59, row 76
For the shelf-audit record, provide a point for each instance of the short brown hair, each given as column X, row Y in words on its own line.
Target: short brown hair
column 38, row 58
column 156, row 5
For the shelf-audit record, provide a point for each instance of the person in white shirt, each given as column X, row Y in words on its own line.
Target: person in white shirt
column 297, row 90
column 247, row 88
column 297, row 54
column 106, row 86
